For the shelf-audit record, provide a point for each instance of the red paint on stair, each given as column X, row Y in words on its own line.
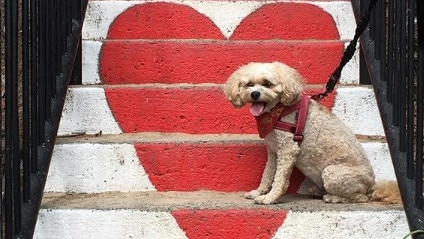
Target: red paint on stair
column 126, row 62
column 186, row 47
column 288, row 21
column 196, row 110
column 197, row 166
column 163, row 21
column 207, row 166
column 231, row 223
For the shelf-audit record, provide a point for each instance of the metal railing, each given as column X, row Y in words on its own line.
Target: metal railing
column 393, row 50
column 39, row 50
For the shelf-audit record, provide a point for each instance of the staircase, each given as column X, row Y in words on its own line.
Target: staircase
column 150, row 148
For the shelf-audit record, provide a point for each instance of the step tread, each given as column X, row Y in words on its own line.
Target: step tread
column 159, row 137
column 197, row 200
column 155, row 137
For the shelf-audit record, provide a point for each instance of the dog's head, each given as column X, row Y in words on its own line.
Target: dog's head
column 263, row 85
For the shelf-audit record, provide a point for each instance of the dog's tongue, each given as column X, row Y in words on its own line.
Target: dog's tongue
column 257, row 108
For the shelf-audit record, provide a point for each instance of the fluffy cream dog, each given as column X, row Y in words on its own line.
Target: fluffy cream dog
column 329, row 155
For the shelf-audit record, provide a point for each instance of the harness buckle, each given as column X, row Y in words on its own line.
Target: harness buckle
column 298, row 137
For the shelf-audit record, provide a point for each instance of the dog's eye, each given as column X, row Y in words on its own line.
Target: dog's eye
column 250, row 84
column 267, row 84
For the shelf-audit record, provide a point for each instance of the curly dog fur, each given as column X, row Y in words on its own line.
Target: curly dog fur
column 329, row 155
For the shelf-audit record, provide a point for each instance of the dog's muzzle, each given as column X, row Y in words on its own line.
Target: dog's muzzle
column 255, row 95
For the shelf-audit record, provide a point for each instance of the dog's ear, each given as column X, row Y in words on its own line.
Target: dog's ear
column 291, row 83
column 232, row 89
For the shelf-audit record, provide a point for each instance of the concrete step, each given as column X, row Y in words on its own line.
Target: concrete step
column 91, row 110
column 211, row 214
column 173, row 162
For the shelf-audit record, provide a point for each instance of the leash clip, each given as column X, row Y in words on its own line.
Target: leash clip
column 319, row 97
column 298, row 137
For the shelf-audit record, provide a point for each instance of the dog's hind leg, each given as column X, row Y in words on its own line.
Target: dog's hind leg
column 345, row 184
column 267, row 178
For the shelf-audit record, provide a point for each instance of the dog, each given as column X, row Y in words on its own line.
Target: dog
column 326, row 151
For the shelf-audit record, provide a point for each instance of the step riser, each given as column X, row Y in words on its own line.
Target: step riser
column 101, row 14
column 210, row 62
column 193, row 110
column 87, row 110
column 222, row 166
column 190, row 23
column 214, row 224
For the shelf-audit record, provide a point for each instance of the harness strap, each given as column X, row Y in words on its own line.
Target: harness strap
column 284, row 126
column 297, row 129
column 301, row 121
column 272, row 120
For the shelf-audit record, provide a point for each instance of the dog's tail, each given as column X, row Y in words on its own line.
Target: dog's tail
column 386, row 192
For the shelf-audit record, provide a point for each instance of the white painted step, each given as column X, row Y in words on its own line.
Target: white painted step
column 86, row 111
column 88, row 164
column 152, row 215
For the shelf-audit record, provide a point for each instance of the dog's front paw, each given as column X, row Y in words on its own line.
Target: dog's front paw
column 252, row 194
column 265, row 199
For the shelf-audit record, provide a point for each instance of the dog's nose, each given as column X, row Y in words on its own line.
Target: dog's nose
column 255, row 95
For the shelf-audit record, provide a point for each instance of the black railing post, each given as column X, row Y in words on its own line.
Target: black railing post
column 411, row 89
column 26, row 103
column 42, row 71
column 35, row 61
column 389, row 53
column 363, row 71
column 420, row 104
column 11, row 119
column 77, row 72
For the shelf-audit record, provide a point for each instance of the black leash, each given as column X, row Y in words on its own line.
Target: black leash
column 347, row 54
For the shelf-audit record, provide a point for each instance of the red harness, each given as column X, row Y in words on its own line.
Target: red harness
column 272, row 120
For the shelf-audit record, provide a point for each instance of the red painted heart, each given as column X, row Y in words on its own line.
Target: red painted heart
column 170, row 43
